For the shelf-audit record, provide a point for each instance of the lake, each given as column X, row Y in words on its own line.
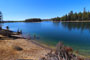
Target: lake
column 76, row 35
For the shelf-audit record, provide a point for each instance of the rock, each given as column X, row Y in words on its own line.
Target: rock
column 18, row 48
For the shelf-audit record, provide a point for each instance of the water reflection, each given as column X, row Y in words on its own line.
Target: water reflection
column 56, row 23
column 0, row 25
column 76, row 25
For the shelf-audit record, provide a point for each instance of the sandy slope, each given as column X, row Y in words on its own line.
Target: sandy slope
column 30, row 50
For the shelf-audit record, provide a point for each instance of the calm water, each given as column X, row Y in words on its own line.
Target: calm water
column 76, row 35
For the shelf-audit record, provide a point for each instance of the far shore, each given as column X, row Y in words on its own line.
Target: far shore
column 74, row 21
column 42, row 21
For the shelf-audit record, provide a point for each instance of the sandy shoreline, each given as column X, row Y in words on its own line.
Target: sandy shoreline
column 31, row 49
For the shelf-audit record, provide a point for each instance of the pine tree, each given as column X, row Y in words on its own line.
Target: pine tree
column 75, row 17
column 79, row 16
column 1, row 17
column 84, row 16
column 88, row 16
column 70, row 16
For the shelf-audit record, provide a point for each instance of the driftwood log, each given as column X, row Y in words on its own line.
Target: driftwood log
column 62, row 53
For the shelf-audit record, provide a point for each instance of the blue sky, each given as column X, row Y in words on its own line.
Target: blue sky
column 23, row 9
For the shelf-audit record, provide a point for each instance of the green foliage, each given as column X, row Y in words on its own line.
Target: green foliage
column 56, row 19
column 81, row 16
column 0, row 16
column 33, row 20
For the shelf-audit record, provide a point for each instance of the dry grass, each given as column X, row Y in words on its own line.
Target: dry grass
column 6, row 51
column 30, row 50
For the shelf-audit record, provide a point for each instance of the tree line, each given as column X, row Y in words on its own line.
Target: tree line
column 81, row 16
column 33, row 20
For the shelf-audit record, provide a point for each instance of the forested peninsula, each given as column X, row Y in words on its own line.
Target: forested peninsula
column 71, row 16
